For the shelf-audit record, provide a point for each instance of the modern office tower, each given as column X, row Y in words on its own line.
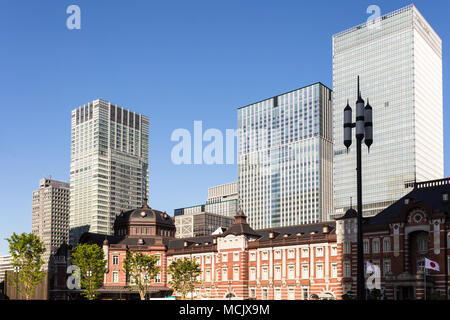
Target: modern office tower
column 50, row 215
column 200, row 224
column 5, row 265
column 285, row 158
column 222, row 200
column 109, row 166
column 400, row 67
column 228, row 191
column 227, row 208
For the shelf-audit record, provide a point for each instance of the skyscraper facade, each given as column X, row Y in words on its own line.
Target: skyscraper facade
column 285, row 158
column 50, row 215
column 228, row 191
column 399, row 61
column 109, row 165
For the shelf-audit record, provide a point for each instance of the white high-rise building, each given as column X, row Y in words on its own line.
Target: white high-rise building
column 109, row 166
column 223, row 192
column 50, row 215
column 285, row 158
column 399, row 61
column 5, row 265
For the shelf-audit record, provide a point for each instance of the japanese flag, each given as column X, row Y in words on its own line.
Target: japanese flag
column 430, row 264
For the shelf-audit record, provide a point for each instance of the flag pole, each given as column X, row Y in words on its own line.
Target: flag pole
column 425, row 281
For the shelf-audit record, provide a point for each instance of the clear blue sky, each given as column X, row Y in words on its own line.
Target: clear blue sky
column 175, row 61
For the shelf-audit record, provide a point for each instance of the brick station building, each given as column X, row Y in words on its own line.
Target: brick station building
column 399, row 238
column 313, row 261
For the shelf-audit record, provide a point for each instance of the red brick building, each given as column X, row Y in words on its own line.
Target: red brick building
column 399, row 238
column 314, row 261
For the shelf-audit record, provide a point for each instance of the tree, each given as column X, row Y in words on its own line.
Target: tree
column 374, row 294
column 89, row 258
column 184, row 273
column 142, row 269
column 26, row 251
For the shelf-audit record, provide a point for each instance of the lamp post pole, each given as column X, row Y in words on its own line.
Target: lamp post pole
column 16, row 270
column 364, row 130
column 360, row 258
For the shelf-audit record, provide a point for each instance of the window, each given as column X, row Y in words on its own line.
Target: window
column 366, row 246
column 236, row 256
column 319, row 252
column 277, row 294
column 207, row 275
column 236, row 273
column 305, row 252
column 347, row 269
column 224, row 257
column 252, row 274
column 305, row 271
column 158, row 278
column 291, row 271
column 265, row 273
column 265, row 294
column 347, row 247
column 334, row 270
column 208, row 259
column 305, row 293
column 375, row 246
column 334, row 250
column 265, row 255
column 278, row 254
column 224, row 274
column 386, row 244
column 252, row 293
column 115, row 276
column 386, row 267
column 278, row 272
column 291, row 293
column 252, row 256
column 115, row 260
column 422, row 244
column 319, row 270
column 291, row 254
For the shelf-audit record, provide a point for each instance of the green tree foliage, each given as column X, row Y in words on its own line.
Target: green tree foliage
column 91, row 261
column 435, row 295
column 142, row 269
column 26, row 251
column 374, row 294
column 184, row 273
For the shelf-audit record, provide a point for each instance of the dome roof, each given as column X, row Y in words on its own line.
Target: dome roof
column 145, row 214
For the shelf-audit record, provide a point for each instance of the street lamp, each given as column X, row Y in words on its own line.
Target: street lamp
column 16, row 271
column 89, row 275
column 364, row 130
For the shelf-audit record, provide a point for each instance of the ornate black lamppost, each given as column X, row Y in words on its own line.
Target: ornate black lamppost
column 364, row 130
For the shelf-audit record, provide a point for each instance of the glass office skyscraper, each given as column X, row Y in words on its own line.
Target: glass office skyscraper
column 109, row 166
column 400, row 67
column 285, row 158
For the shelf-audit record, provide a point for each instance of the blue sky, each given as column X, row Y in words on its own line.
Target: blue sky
column 175, row 61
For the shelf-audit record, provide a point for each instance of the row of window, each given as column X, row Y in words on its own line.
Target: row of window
column 277, row 255
column 366, row 245
column 305, row 274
